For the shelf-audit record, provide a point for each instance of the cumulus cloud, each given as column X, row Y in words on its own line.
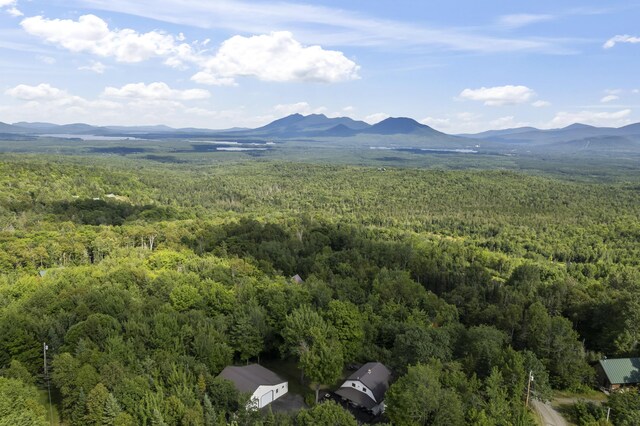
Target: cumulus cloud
column 499, row 95
column 11, row 8
column 92, row 34
column 299, row 108
column 614, row 119
column 508, row 122
column 44, row 99
column 43, row 91
column 376, row 118
column 155, row 91
column 437, row 123
column 620, row 39
column 96, row 66
column 609, row 98
column 270, row 57
column 275, row 57
column 41, row 102
column 541, row 104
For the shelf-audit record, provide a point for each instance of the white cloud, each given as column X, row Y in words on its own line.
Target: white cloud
column 620, row 39
column 437, row 123
column 96, row 66
column 614, row 119
column 43, row 91
column 376, row 118
column 499, row 95
column 523, row 19
column 275, row 57
column 272, row 57
column 609, row 98
column 155, row 91
column 11, row 7
column 92, row 34
column 471, row 122
column 635, row 91
column 42, row 102
column 325, row 25
column 541, row 104
column 15, row 12
column 507, row 122
column 297, row 108
column 47, row 59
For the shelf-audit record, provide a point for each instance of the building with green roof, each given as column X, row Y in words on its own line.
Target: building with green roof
column 615, row 373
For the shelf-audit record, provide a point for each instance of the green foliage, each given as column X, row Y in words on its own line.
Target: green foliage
column 19, row 372
column 326, row 414
column 586, row 413
column 185, row 297
column 418, row 398
column 19, row 404
column 462, row 281
column 625, row 407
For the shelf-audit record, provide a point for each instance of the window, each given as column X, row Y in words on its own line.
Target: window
column 353, row 384
column 277, row 390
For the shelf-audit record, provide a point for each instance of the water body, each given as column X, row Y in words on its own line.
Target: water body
column 426, row 150
column 91, row 137
column 237, row 148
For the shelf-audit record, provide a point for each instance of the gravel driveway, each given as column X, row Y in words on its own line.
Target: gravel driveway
column 549, row 415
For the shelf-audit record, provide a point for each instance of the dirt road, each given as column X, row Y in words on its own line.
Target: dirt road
column 550, row 417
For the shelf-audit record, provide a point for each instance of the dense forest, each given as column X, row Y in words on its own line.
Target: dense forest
column 147, row 279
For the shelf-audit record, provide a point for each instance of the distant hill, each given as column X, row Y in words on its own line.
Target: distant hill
column 395, row 132
column 8, row 128
column 400, row 126
column 299, row 125
column 497, row 133
column 535, row 136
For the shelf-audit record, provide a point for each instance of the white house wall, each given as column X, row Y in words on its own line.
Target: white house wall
column 278, row 391
column 360, row 387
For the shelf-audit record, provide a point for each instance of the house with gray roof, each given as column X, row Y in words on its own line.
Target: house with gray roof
column 613, row 374
column 262, row 384
column 367, row 386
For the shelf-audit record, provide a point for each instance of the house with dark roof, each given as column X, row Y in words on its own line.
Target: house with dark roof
column 367, row 386
column 262, row 384
column 613, row 374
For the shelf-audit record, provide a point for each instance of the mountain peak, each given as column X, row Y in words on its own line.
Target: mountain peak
column 398, row 125
column 576, row 126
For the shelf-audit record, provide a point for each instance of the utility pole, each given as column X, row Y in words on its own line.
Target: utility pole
column 46, row 376
column 529, row 387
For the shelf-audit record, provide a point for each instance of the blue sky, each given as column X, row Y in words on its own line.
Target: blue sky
column 458, row 66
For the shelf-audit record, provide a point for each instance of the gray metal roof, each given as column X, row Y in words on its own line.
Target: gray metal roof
column 357, row 397
column 375, row 376
column 248, row 378
column 622, row 370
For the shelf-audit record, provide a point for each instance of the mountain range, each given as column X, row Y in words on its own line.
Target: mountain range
column 395, row 131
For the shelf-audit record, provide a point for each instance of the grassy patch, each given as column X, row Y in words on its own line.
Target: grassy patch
column 43, row 398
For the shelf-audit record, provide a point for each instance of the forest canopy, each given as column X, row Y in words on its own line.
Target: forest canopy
column 146, row 282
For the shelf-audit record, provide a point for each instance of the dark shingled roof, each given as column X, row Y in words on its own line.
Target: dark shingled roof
column 622, row 370
column 249, row 377
column 375, row 376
